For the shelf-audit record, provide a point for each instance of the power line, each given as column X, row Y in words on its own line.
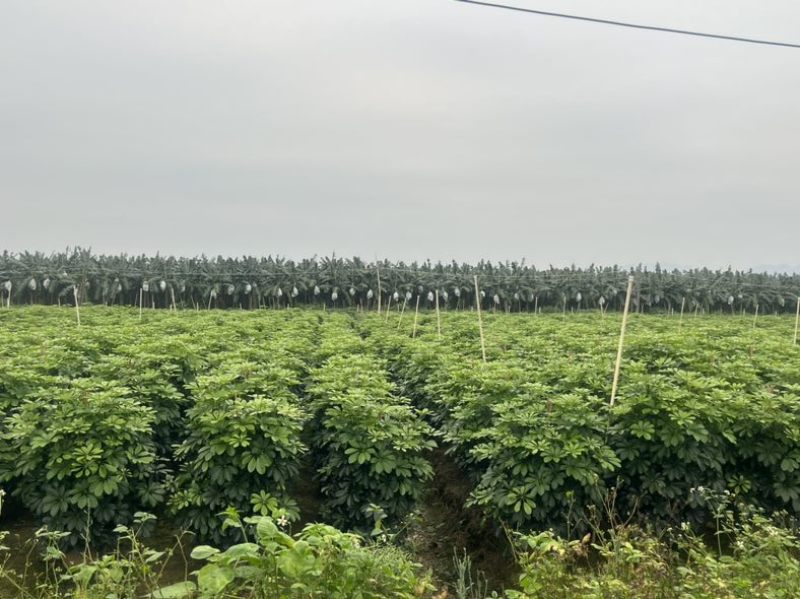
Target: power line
column 730, row 38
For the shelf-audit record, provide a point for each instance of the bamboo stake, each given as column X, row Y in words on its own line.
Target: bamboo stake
column 683, row 305
column 141, row 299
column 77, row 307
column 615, row 383
column 438, row 317
column 536, row 305
column 480, row 319
column 172, row 293
column 402, row 310
column 416, row 315
column 378, row 267
column 797, row 321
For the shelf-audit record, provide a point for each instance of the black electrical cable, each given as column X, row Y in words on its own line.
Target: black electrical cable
column 730, row 38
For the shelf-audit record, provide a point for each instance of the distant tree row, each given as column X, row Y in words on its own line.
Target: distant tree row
column 251, row 282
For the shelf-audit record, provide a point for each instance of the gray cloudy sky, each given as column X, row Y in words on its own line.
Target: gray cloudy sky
column 408, row 129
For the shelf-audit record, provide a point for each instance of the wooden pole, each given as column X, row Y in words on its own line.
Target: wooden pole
column 618, row 364
column 536, row 305
column 172, row 293
column 416, row 315
column 77, row 307
column 402, row 310
column 141, row 299
column 480, row 319
column 683, row 305
column 797, row 320
column 378, row 267
column 438, row 317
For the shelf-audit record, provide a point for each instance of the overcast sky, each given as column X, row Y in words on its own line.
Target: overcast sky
column 409, row 129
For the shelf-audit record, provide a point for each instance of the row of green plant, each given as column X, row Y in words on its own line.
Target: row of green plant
column 370, row 443
column 243, row 446
column 706, row 404
column 252, row 282
column 101, row 422
column 192, row 414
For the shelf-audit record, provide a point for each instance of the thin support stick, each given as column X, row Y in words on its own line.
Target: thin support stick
column 416, row 315
column 141, row 299
column 797, row 321
column 77, row 307
column 683, row 305
column 618, row 364
column 172, row 294
column 438, row 317
column 402, row 310
column 480, row 319
column 378, row 267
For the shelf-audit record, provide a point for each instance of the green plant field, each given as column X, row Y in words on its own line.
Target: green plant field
column 242, row 426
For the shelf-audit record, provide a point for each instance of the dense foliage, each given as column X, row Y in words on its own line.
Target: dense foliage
column 189, row 414
column 320, row 561
column 370, row 444
column 251, row 282
column 82, row 458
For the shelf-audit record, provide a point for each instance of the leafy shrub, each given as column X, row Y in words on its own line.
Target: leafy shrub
column 83, row 457
column 242, row 450
column 543, row 457
column 151, row 380
column 20, row 377
column 675, row 431
column 369, row 444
